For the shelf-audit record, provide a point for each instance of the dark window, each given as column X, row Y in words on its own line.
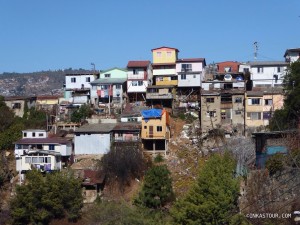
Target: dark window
column 268, row 101
column 118, row 86
column 88, row 79
column 186, row 67
column 140, row 83
column 238, row 100
column 107, row 75
column 25, row 134
column 183, row 76
column 267, row 115
column 135, row 71
column 238, row 112
column 174, row 78
column 73, row 80
column 159, row 128
column 212, row 100
column 41, row 134
column 51, row 147
column 17, row 105
column 145, row 127
column 33, row 134
column 260, row 69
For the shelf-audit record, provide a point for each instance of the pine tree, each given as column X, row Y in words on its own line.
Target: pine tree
column 213, row 197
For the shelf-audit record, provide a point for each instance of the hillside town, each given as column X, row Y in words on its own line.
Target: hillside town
column 180, row 109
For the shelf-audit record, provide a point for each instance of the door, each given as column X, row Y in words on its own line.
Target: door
column 151, row 131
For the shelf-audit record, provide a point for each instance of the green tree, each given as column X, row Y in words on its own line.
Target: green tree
column 44, row 198
column 288, row 117
column 213, row 198
column 157, row 188
column 6, row 115
column 82, row 113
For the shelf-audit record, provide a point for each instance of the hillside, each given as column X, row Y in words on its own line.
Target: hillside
column 35, row 83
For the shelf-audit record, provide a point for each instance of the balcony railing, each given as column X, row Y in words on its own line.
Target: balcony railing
column 159, row 96
column 125, row 139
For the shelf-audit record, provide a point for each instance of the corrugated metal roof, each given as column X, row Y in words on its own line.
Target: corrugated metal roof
column 96, row 128
column 268, row 63
column 109, row 81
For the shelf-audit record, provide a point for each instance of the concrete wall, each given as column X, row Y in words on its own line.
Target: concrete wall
column 192, row 80
column 207, row 122
column 80, row 79
column 266, row 77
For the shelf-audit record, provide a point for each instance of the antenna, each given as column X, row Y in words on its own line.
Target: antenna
column 255, row 50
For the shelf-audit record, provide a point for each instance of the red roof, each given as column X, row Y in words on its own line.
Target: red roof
column 138, row 63
column 41, row 97
column 165, row 47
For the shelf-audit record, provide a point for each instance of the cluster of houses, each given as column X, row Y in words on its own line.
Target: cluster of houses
column 135, row 103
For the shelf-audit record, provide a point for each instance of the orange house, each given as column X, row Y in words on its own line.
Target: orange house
column 155, row 130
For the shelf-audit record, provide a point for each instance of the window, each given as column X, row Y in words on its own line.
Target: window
column 186, row 67
column 118, row 86
column 33, row 134
column 145, row 127
column 47, row 159
column 140, row 83
column 107, row 75
column 223, row 115
column 137, row 83
column 211, row 114
column 254, row 115
column 260, row 69
column 279, row 69
column 135, row 71
column 41, row 135
column 174, row 78
column 88, row 79
column 183, row 76
column 212, row 100
column 169, row 54
column 17, row 105
column 25, row 134
column 158, row 54
column 246, row 70
column 51, row 147
column 227, row 69
column 35, row 160
column 267, row 115
column 238, row 112
column 268, row 101
column 73, row 80
column 238, row 100
column 194, row 76
column 159, row 128
column 27, row 159
column 134, row 83
column 254, row 101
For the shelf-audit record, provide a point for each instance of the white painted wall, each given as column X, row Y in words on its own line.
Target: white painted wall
column 92, row 144
column 80, row 79
column 267, row 76
column 34, row 134
column 192, row 80
column 131, row 88
column 196, row 66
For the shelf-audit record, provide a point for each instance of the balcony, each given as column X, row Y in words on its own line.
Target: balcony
column 127, row 139
column 159, row 96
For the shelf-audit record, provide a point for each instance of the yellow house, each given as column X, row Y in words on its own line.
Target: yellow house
column 47, row 102
column 271, row 102
column 164, row 65
column 254, row 109
column 155, row 130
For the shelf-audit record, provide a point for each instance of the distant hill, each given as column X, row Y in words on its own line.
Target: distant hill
column 35, row 83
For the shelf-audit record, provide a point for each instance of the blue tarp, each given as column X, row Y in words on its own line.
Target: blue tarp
column 151, row 113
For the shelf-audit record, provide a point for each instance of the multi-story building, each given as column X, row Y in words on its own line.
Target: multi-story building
column 190, row 75
column 267, row 73
column 38, row 150
column 164, row 65
column 139, row 77
column 155, row 130
column 77, row 86
column 110, row 87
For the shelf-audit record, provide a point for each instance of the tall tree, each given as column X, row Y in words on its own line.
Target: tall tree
column 213, row 198
column 289, row 116
column 157, row 188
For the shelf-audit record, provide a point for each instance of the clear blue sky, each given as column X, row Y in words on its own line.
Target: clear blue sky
column 57, row 34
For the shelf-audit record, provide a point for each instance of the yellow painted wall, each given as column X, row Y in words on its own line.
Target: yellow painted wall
column 167, row 82
column 164, row 56
column 254, row 108
column 47, row 101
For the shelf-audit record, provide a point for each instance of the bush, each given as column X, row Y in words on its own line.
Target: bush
column 275, row 163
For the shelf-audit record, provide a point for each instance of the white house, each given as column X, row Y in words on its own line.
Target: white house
column 37, row 149
column 93, row 138
column 139, row 77
column 291, row 55
column 190, row 72
column 267, row 73
column 77, row 86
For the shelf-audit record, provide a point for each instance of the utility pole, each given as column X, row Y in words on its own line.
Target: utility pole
column 255, row 50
